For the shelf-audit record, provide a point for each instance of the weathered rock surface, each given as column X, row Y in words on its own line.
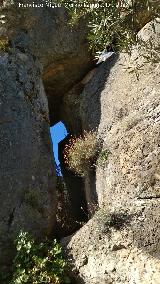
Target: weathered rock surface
column 120, row 244
column 63, row 51
column 27, row 178
column 117, row 247
column 41, row 46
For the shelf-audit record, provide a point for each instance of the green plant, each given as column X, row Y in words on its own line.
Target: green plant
column 81, row 152
column 37, row 263
column 4, row 44
column 103, row 157
column 112, row 23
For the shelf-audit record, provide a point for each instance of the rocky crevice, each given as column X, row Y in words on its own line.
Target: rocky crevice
column 100, row 251
column 120, row 99
column 26, row 156
column 76, row 190
column 40, row 45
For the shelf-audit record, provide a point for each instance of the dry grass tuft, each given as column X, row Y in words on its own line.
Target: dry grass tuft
column 81, row 152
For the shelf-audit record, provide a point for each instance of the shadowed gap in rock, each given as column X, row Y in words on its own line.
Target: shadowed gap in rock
column 72, row 209
column 77, row 194
column 75, row 206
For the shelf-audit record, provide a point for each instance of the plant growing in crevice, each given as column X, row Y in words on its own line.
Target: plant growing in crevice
column 37, row 263
column 102, row 158
column 4, row 44
column 112, row 23
column 81, row 152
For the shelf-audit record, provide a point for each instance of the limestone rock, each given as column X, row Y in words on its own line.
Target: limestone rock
column 116, row 247
column 41, row 47
column 63, row 51
column 27, row 177
column 120, row 244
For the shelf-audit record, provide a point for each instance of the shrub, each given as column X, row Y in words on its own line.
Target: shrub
column 112, row 23
column 38, row 263
column 81, row 152
column 103, row 157
column 4, row 44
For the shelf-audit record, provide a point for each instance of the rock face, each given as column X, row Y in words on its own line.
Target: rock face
column 120, row 244
column 62, row 51
column 27, row 178
column 41, row 46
